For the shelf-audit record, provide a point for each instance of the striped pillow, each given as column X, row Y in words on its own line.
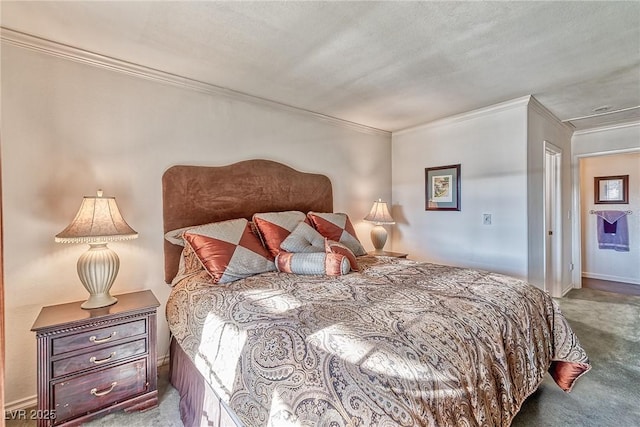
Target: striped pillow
column 329, row 264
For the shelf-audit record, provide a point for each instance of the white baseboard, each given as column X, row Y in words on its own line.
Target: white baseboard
column 25, row 403
column 29, row 402
column 566, row 290
column 610, row 278
column 163, row 360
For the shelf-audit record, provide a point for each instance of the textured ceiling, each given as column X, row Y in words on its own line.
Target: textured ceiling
column 388, row 65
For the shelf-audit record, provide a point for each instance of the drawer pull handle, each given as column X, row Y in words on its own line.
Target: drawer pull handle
column 99, row 361
column 97, row 340
column 97, row 393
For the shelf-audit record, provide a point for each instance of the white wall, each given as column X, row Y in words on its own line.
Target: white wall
column 589, row 143
column 608, row 264
column 491, row 146
column 70, row 128
column 542, row 127
column 606, row 140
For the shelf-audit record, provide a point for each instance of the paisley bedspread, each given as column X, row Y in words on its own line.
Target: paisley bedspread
column 400, row 343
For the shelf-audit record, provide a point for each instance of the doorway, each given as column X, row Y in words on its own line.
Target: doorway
column 601, row 269
column 552, row 219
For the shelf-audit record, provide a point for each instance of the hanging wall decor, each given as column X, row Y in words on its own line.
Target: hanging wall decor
column 611, row 189
column 442, row 188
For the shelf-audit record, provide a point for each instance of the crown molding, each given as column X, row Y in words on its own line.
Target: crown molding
column 71, row 53
column 538, row 107
column 606, row 113
column 607, row 128
column 484, row 111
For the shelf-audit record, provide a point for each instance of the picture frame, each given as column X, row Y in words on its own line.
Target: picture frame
column 611, row 189
column 442, row 188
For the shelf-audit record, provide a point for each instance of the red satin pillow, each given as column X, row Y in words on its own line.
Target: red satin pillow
column 337, row 227
column 331, row 246
column 565, row 374
column 229, row 251
column 274, row 227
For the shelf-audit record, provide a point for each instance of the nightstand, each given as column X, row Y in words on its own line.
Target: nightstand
column 93, row 362
column 391, row 254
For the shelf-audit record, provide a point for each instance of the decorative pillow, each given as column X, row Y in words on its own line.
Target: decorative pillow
column 331, row 246
column 189, row 266
column 303, row 238
column 175, row 236
column 337, row 227
column 229, row 251
column 565, row 374
column 313, row 263
column 274, row 227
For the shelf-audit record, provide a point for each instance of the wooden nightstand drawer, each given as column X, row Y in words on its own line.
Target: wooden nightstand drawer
column 97, row 336
column 93, row 362
column 99, row 356
column 98, row 390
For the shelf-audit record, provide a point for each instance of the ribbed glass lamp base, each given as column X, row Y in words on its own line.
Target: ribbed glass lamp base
column 98, row 301
column 97, row 269
column 378, row 237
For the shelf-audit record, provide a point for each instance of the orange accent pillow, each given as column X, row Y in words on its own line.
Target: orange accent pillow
column 274, row 227
column 331, row 246
column 337, row 227
column 565, row 374
column 189, row 266
column 229, row 250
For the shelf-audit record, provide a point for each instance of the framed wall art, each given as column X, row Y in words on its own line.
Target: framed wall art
column 442, row 188
column 611, row 189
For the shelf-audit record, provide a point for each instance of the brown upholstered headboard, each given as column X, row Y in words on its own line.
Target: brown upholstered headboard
column 194, row 195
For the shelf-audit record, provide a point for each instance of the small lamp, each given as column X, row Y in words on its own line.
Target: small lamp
column 97, row 222
column 379, row 215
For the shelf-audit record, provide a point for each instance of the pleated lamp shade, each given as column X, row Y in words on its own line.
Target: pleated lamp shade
column 97, row 222
column 379, row 215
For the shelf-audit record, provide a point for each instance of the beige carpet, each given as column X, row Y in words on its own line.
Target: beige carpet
column 608, row 326
column 165, row 415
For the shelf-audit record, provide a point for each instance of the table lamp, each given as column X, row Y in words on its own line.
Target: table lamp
column 97, row 222
column 379, row 215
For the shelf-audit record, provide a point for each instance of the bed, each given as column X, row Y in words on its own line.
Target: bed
column 396, row 343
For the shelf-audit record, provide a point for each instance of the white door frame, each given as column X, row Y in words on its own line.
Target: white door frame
column 554, row 225
column 576, row 252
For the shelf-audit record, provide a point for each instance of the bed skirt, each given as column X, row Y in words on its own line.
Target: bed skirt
column 199, row 404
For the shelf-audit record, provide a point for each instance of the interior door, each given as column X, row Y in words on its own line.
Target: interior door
column 552, row 221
